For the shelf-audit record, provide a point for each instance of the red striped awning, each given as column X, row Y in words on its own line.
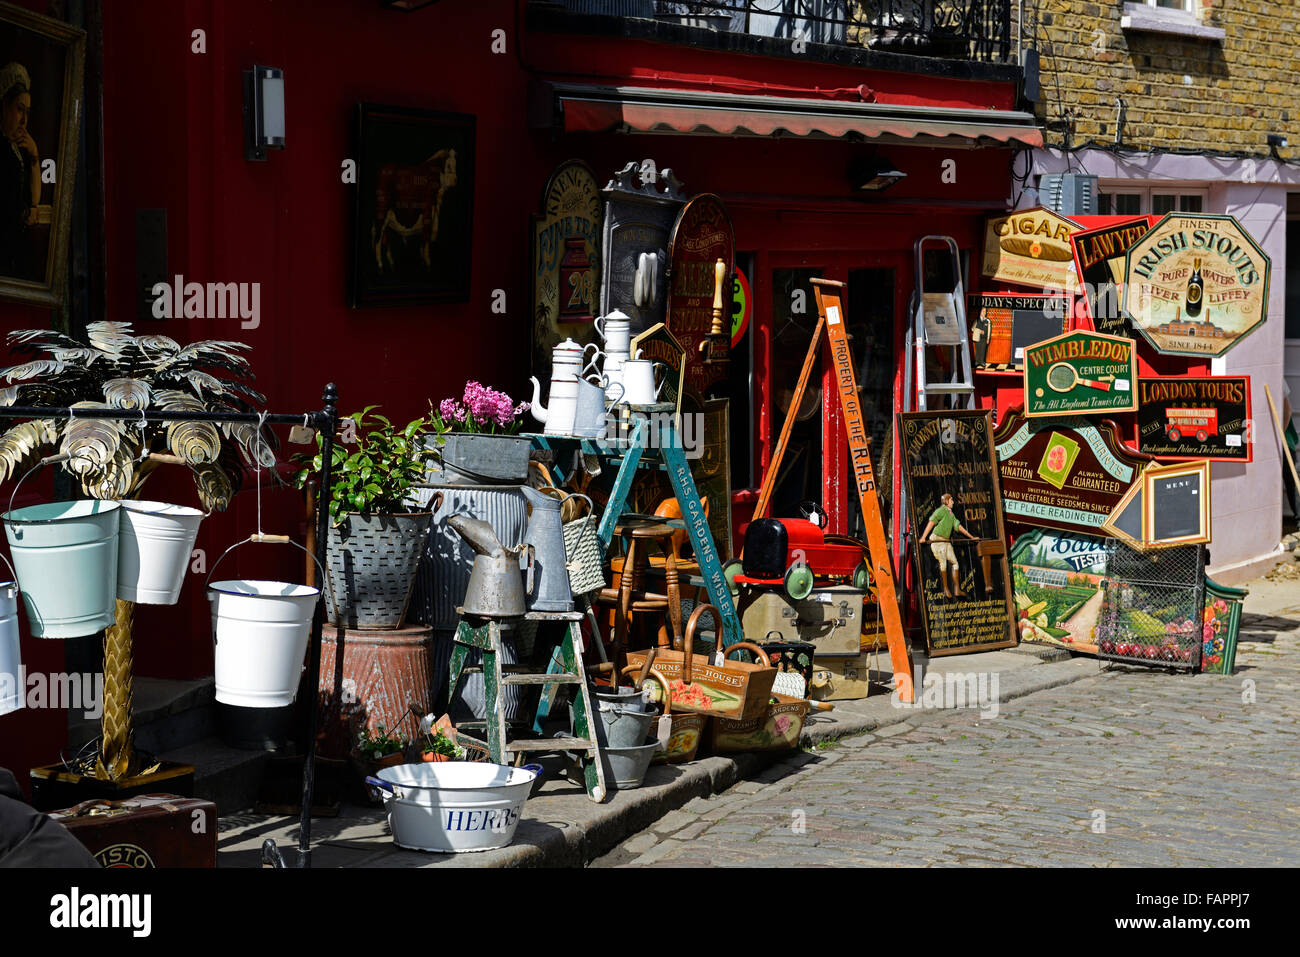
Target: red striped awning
column 591, row 109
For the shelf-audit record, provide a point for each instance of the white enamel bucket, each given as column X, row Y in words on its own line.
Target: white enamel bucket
column 11, row 684
column 260, row 630
column 154, row 546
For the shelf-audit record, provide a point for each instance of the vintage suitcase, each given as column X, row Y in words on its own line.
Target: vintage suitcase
column 841, row 679
column 830, row 619
column 149, row 830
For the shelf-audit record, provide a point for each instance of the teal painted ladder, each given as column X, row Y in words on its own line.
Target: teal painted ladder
column 654, row 442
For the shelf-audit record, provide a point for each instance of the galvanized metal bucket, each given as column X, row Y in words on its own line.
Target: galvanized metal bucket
column 372, row 567
column 65, row 555
column 626, row 767
column 154, row 546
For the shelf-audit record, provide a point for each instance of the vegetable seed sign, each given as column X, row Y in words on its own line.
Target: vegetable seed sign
column 1196, row 285
column 1080, row 372
column 1195, row 418
column 1068, row 473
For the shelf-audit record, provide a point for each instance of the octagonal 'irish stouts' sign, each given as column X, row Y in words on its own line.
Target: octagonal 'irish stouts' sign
column 1195, row 285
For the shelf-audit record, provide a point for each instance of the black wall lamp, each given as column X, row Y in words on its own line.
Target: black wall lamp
column 263, row 112
column 874, row 174
column 1276, row 141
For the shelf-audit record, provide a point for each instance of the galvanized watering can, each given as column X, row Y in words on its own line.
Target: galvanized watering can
column 496, row 584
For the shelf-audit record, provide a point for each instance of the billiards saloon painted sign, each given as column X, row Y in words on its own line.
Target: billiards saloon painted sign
column 955, row 506
column 1082, row 373
column 1195, row 418
column 1031, row 248
column 1067, row 473
column 1196, row 285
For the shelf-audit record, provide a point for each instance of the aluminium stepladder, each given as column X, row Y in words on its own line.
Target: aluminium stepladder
column 938, row 322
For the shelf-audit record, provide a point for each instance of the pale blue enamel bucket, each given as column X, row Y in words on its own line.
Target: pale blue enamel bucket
column 11, row 670
column 65, row 554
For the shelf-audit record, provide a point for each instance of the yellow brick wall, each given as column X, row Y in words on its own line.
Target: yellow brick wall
column 1180, row 92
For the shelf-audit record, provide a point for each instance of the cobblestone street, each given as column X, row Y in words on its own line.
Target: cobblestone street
column 1132, row 767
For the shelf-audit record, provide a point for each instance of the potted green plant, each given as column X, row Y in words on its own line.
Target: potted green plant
column 375, row 539
column 479, row 435
column 437, row 746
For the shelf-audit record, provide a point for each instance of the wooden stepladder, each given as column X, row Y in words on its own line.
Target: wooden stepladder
column 485, row 635
column 831, row 315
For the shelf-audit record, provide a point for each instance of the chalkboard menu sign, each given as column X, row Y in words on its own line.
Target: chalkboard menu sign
column 963, row 581
column 1006, row 325
column 1195, row 418
column 1177, row 504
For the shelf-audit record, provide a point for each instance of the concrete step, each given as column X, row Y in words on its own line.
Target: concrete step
column 228, row 777
column 168, row 714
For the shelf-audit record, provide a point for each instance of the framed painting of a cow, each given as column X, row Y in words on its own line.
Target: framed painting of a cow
column 414, row 215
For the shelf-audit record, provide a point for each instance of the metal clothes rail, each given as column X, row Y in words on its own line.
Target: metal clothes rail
column 325, row 421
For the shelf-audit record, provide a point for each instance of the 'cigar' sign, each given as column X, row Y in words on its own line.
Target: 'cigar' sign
column 1031, row 247
column 1196, row 285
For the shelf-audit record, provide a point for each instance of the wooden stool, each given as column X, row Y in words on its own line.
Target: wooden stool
column 631, row 596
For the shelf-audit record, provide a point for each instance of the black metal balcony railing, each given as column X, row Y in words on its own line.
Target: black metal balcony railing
column 960, row 29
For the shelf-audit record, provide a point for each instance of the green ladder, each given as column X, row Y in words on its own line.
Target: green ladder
column 484, row 634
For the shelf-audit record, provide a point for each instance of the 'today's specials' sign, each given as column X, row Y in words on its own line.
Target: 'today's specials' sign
column 1195, row 418
column 1080, row 372
column 1067, row 473
column 1196, row 285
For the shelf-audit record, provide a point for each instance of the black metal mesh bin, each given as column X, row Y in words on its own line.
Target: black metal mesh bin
column 1151, row 607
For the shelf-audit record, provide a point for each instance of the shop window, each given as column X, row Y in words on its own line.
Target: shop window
column 1157, row 202
column 794, row 317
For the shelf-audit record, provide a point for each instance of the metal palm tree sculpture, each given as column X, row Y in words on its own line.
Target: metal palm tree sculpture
column 112, row 458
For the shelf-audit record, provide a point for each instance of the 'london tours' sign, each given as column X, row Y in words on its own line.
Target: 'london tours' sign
column 1195, row 418
column 1082, row 372
column 1196, row 285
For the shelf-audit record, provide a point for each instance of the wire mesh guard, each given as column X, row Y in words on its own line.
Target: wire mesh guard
column 1151, row 608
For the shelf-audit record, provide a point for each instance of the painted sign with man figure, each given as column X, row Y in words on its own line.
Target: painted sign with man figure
column 955, row 503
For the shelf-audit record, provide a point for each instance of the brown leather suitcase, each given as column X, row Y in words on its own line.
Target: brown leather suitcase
column 149, row 830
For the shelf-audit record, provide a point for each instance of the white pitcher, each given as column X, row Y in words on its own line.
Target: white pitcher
column 638, row 380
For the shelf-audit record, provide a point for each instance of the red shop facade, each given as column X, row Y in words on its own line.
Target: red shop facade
column 780, row 131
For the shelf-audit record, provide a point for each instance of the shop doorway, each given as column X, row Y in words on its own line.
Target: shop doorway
column 815, row 466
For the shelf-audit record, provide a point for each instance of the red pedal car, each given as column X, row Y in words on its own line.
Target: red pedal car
column 795, row 553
